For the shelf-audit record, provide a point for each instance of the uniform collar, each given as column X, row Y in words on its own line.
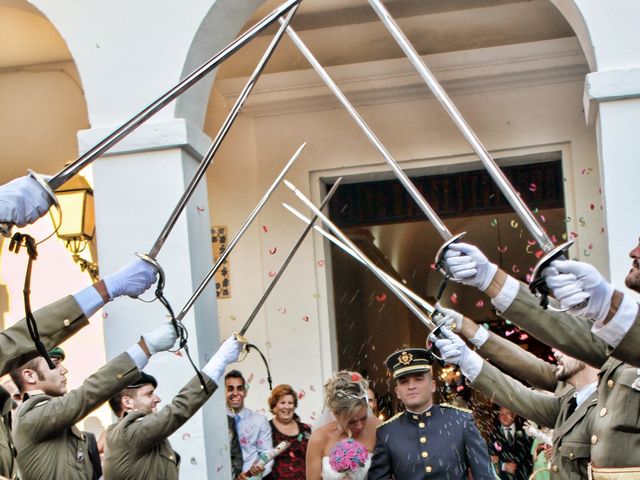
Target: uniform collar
column 31, row 393
column 416, row 417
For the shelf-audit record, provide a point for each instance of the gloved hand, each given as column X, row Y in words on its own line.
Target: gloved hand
column 160, row 339
column 574, row 282
column 228, row 353
column 23, row 201
column 452, row 319
column 452, row 348
column 469, row 266
column 133, row 279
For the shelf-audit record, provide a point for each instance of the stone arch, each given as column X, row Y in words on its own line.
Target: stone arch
column 573, row 14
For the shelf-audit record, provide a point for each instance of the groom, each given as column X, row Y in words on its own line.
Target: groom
column 427, row 441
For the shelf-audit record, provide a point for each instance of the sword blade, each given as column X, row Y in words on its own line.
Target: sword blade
column 195, row 76
column 527, row 217
column 222, row 133
column 433, row 217
column 285, row 264
column 406, row 290
column 239, row 235
column 370, row 265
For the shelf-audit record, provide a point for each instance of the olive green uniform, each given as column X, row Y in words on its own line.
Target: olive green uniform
column 7, row 451
column 48, row 443
column 615, row 439
column 56, row 322
column 137, row 447
column 627, row 350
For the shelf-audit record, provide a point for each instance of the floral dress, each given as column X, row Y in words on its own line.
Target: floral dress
column 290, row 465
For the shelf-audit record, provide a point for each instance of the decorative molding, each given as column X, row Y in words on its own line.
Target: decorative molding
column 608, row 86
column 386, row 81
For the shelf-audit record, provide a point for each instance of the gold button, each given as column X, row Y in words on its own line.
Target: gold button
column 603, row 412
column 594, row 439
column 423, row 439
column 415, row 417
column 554, row 468
column 421, row 424
column 428, row 469
column 425, row 454
column 171, row 457
column 428, row 414
column 66, row 322
column 571, row 455
column 610, row 383
column 560, row 449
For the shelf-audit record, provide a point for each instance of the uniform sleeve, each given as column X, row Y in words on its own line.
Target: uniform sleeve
column 150, row 430
column 48, row 418
column 381, row 468
column 56, row 322
column 623, row 332
column 476, row 453
column 508, row 392
column 264, row 442
column 569, row 334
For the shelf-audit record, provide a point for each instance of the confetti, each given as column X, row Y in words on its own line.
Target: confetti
column 528, row 278
column 432, row 266
column 542, row 218
column 586, row 171
column 186, row 436
column 199, row 209
column 523, row 337
column 515, row 269
column 105, row 314
column 494, row 222
column 508, row 322
column 539, row 254
column 282, row 311
column 567, row 219
column 316, row 296
column 592, row 206
column 587, row 253
column 533, row 187
column 564, row 236
column 459, row 388
column 590, row 246
column 486, row 325
column 582, row 222
column 514, row 224
column 265, row 229
column 272, row 273
column 273, row 250
column 320, row 263
column 508, row 333
column 573, row 234
column 529, row 249
column 531, row 242
column 312, row 388
column 305, row 318
column 178, row 353
column 503, row 249
column 301, row 394
column 497, row 446
column 382, row 297
column 232, row 318
column 480, row 303
column 250, row 378
column 454, row 297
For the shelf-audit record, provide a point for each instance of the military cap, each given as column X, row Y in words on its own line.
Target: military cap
column 57, row 352
column 145, row 379
column 409, row 360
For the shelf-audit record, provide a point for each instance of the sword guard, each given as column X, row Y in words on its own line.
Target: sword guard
column 440, row 265
column 43, row 183
column 538, row 285
column 436, row 332
column 161, row 277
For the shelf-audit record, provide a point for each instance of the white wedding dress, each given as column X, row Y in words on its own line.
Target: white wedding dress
column 328, row 473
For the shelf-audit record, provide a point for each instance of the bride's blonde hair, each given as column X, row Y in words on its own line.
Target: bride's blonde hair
column 344, row 394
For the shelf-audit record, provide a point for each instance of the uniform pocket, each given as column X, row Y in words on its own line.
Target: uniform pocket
column 625, row 417
column 575, row 450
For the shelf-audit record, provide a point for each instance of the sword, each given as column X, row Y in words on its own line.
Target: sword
column 238, row 236
column 380, row 274
column 240, row 335
column 213, row 149
column 138, row 119
column 521, row 209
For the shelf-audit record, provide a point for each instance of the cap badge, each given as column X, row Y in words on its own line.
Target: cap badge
column 405, row 358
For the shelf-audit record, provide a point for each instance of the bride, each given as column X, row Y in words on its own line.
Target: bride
column 346, row 399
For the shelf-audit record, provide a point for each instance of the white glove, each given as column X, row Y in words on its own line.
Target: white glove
column 133, row 279
column 160, row 339
column 574, row 282
column 228, row 353
column 453, row 350
column 23, row 201
column 452, row 319
column 469, row 266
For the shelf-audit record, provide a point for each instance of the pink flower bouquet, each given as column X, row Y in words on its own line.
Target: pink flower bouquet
column 348, row 456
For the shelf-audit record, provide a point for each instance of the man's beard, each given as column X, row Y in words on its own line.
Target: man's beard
column 632, row 281
column 565, row 373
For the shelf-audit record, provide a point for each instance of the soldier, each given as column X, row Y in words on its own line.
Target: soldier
column 427, row 440
column 48, row 443
column 615, row 443
column 23, row 201
column 137, row 447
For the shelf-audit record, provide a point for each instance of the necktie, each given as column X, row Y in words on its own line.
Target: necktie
column 573, row 404
column 509, row 437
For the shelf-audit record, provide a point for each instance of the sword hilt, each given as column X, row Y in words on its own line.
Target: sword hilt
column 161, row 276
column 440, row 263
column 538, row 285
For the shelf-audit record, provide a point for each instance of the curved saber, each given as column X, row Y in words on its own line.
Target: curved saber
column 139, row 118
column 374, row 269
column 407, row 291
column 222, row 133
column 239, row 235
column 285, row 264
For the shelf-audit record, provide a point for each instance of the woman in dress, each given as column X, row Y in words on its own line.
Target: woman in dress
column 286, row 426
column 346, row 401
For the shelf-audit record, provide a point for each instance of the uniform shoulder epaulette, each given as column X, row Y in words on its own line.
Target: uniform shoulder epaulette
column 448, row 405
column 395, row 417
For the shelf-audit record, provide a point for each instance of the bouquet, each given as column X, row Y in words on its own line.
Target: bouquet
column 347, row 457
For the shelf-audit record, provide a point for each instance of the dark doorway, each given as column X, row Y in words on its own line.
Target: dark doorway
column 382, row 219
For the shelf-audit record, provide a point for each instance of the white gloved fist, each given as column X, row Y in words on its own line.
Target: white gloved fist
column 133, row 279
column 469, row 266
column 451, row 319
column 228, row 353
column 574, row 282
column 160, row 339
column 23, row 201
column 452, row 348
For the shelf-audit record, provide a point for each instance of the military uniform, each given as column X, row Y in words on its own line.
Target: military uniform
column 56, row 322
column 615, row 439
column 49, row 444
column 137, row 447
column 7, row 450
column 441, row 443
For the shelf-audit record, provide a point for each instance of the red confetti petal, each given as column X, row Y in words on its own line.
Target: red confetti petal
column 523, row 337
column 272, row 273
column 503, row 249
column 320, row 263
column 265, row 229
column 305, row 318
column 539, row 254
column 273, row 250
column 454, row 298
column 527, row 278
column 301, row 394
column 105, row 314
column 250, row 378
column 497, row 446
column 459, row 388
column 508, row 333
column 199, row 209
column 592, row 206
column 432, row 266
column 533, row 187
column 382, row 297
column 573, row 234
column 515, row 269
column 480, row 303
column 531, row 242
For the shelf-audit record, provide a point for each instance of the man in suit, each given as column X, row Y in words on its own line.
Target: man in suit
column 510, row 448
column 426, row 441
column 615, row 439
